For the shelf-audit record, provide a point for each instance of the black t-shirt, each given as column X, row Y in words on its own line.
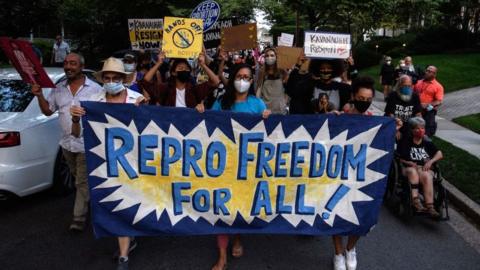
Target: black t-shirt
column 401, row 109
column 419, row 154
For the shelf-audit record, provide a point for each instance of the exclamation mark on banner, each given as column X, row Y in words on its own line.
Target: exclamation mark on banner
column 336, row 197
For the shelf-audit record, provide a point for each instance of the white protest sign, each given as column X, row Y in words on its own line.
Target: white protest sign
column 327, row 45
column 286, row 40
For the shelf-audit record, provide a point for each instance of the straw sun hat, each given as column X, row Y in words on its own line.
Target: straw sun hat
column 112, row 64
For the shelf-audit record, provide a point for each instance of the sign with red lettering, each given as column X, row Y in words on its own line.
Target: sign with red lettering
column 22, row 57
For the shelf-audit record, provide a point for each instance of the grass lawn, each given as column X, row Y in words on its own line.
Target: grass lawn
column 471, row 122
column 460, row 168
column 455, row 71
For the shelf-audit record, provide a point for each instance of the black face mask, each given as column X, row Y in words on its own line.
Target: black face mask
column 361, row 106
column 183, row 76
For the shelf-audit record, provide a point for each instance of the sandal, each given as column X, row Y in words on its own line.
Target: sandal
column 237, row 251
column 418, row 205
column 431, row 211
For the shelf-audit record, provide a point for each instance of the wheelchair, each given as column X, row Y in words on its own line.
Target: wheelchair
column 398, row 194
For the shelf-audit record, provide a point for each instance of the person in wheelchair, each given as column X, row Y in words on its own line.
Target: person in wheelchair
column 417, row 155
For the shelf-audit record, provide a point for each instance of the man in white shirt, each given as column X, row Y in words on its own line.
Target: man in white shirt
column 59, row 52
column 76, row 88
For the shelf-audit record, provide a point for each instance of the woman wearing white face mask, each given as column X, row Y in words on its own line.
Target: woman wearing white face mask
column 130, row 65
column 271, row 81
column 113, row 76
column 236, row 99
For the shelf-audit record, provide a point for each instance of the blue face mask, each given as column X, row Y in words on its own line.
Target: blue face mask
column 113, row 88
column 405, row 90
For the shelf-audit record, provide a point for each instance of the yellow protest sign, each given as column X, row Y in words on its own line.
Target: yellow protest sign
column 182, row 37
column 145, row 34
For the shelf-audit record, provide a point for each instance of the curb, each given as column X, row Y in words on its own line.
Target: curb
column 463, row 203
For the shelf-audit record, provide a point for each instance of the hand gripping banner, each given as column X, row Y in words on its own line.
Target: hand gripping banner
column 157, row 171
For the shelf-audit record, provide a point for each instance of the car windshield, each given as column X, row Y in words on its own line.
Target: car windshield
column 15, row 96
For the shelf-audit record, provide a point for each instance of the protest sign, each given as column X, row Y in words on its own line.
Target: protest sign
column 208, row 11
column 160, row 170
column 212, row 38
column 145, row 34
column 25, row 61
column 327, row 45
column 240, row 37
column 287, row 57
column 285, row 40
column 182, row 37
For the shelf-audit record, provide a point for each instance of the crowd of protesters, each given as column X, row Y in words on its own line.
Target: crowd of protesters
column 243, row 82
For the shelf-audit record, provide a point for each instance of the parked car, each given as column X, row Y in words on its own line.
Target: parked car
column 30, row 157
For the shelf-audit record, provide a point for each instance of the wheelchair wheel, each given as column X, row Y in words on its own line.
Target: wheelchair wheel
column 405, row 209
column 440, row 200
column 392, row 180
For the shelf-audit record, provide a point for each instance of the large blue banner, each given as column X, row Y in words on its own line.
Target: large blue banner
column 157, row 170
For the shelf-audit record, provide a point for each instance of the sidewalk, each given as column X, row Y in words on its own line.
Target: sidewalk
column 456, row 104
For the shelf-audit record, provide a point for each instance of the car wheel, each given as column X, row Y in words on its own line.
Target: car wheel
column 7, row 196
column 63, row 180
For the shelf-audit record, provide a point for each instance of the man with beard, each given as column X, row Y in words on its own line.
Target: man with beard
column 403, row 103
column 76, row 88
column 305, row 93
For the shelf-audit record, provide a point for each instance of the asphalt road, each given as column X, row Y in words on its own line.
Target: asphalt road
column 34, row 235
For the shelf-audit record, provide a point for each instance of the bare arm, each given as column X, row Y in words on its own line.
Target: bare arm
column 153, row 71
column 76, row 112
column 214, row 80
column 42, row 102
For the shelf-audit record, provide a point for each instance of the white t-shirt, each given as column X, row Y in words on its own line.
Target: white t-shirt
column 180, row 98
column 60, row 51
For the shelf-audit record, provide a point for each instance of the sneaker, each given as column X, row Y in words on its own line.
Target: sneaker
column 77, row 226
column 122, row 263
column 351, row 256
column 339, row 262
column 131, row 247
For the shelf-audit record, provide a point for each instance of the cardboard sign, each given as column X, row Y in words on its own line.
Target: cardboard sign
column 327, row 45
column 208, row 11
column 240, row 37
column 287, row 58
column 286, row 40
column 25, row 61
column 182, row 37
column 212, row 38
column 145, row 34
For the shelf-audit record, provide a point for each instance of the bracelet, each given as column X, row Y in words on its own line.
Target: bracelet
column 75, row 121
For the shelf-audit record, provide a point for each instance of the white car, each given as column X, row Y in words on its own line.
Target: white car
column 30, row 156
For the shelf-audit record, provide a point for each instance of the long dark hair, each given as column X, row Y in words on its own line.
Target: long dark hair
column 228, row 98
